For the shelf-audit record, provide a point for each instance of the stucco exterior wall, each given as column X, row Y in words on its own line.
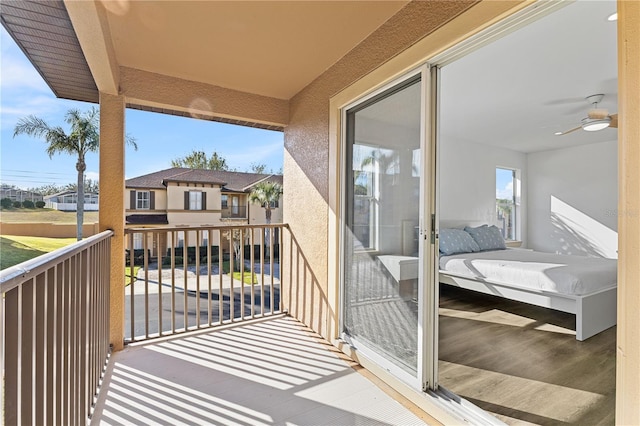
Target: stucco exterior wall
column 175, row 196
column 160, row 199
column 306, row 162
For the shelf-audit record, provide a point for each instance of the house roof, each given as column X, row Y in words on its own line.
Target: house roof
column 229, row 181
column 67, row 192
column 147, row 219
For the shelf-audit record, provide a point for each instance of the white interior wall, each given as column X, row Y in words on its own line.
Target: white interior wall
column 572, row 200
column 468, row 182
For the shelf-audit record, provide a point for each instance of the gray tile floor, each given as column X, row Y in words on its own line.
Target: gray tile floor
column 275, row 372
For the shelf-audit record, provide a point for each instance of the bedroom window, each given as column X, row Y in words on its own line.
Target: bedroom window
column 507, row 187
column 142, row 200
column 195, row 200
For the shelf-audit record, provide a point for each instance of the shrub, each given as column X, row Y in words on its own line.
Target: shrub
column 138, row 257
column 28, row 204
column 40, row 204
column 214, row 260
column 6, row 203
column 17, row 204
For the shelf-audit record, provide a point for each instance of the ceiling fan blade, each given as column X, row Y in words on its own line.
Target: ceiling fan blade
column 614, row 121
column 568, row 131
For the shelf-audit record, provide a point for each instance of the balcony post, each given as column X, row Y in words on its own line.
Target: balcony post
column 111, row 213
column 628, row 333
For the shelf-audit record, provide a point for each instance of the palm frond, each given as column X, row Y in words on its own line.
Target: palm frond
column 32, row 126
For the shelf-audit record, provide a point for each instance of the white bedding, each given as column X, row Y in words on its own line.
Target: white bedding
column 575, row 275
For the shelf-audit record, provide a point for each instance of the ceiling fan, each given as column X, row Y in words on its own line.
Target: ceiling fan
column 597, row 118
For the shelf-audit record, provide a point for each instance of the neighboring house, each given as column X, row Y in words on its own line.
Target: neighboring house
column 179, row 197
column 16, row 194
column 68, row 201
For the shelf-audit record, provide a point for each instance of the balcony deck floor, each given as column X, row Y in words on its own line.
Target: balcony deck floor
column 270, row 372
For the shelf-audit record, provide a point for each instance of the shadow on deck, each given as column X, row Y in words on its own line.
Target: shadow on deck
column 268, row 372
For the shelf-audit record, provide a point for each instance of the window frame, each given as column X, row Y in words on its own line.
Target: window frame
column 514, row 234
column 195, row 200
column 140, row 200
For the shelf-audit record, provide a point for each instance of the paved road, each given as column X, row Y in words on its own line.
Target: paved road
column 160, row 306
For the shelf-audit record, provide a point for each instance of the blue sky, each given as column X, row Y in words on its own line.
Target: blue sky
column 504, row 183
column 160, row 138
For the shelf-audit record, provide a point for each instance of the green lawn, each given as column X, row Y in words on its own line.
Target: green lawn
column 16, row 249
column 127, row 274
column 247, row 277
column 44, row 215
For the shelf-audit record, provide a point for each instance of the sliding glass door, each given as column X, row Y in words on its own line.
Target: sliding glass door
column 383, row 258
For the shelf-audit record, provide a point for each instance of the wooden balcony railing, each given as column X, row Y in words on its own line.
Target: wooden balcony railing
column 55, row 334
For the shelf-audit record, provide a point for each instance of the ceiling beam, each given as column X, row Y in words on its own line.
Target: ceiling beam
column 201, row 100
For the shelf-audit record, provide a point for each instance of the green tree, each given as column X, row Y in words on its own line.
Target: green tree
column 49, row 189
column 266, row 194
column 258, row 168
column 83, row 138
column 237, row 237
column 89, row 186
column 199, row 160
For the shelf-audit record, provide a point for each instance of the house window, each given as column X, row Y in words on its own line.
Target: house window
column 142, row 200
column 274, row 204
column 225, row 201
column 507, row 196
column 137, row 241
column 195, row 200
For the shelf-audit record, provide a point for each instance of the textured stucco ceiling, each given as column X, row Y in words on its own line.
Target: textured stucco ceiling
column 268, row 48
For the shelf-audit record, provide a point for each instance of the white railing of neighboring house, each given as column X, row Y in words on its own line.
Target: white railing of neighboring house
column 55, row 334
column 70, row 207
column 178, row 280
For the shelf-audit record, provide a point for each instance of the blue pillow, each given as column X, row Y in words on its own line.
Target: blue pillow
column 487, row 237
column 453, row 241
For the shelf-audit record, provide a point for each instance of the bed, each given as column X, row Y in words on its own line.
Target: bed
column 580, row 285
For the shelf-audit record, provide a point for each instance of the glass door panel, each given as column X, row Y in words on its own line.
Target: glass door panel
column 381, row 241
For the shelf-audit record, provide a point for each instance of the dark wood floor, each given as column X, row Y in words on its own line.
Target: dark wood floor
column 522, row 363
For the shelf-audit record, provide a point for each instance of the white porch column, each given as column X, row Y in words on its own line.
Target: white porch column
column 111, row 215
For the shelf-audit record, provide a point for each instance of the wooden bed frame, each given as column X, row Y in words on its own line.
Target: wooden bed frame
column 595, row 312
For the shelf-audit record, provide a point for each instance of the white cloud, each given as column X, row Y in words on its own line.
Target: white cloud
column 92, row 175
column 22, row 106
column 506, row 192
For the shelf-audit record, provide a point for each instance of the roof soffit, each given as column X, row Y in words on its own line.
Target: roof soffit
column 92, row 29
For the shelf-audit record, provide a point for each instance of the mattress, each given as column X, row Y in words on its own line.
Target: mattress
column 572, row 275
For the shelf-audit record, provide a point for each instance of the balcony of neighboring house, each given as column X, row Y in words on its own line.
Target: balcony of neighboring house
column 234, row 207
column 203, row 344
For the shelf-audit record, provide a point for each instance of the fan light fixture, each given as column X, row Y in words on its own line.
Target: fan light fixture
column 595, row 124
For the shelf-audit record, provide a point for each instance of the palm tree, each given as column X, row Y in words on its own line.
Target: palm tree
column 83, row 138
column 266, row 194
